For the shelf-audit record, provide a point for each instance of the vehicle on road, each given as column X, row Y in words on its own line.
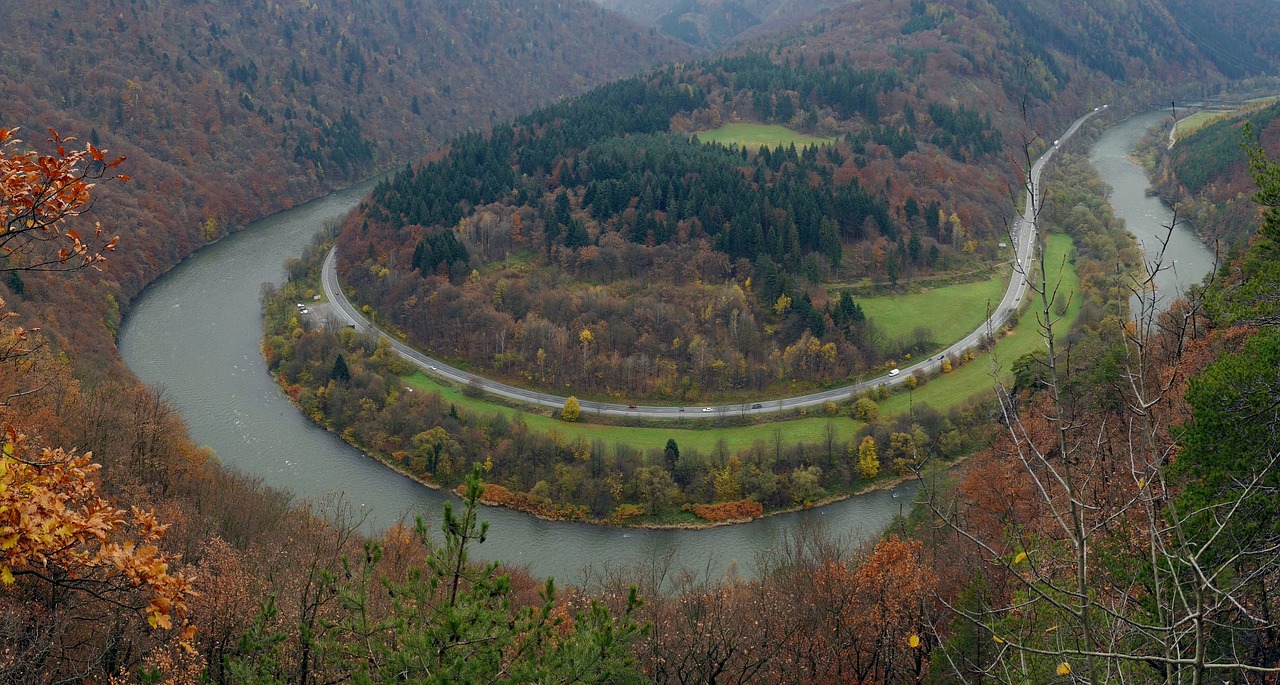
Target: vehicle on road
column 894, row 372
column 757, row 405
column 431, row 367
column 706, row 409
column 631, row 406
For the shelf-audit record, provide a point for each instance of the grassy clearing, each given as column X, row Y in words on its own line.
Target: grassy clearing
column 811, row 429
column 753, row 136
column 958, row 386
column 1188, row 125
column 941, row 393
column 950, row 312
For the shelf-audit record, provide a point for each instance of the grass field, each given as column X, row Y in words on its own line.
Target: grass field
column 950, row 312
column 954, row 388
column 753, row 136
column 941, row 393
column 704, row 439
column 1195, row 122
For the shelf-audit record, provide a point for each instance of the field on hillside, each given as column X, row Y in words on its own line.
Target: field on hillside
column 753, row 136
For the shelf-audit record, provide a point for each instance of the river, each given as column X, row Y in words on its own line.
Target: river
column 195, row 332
column 1145, row 216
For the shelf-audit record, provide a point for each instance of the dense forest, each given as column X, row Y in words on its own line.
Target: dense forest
column 1124, row 507
column 230, row 111
column 1206, row 173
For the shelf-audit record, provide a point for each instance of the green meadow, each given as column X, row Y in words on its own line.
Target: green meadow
column 754, row 136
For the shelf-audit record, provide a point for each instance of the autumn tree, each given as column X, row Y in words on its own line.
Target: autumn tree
column 68, row 556
column 868, row 461
column 572, row 411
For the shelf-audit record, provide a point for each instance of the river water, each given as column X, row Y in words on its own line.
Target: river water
column 1147, row 217
column 195, row 332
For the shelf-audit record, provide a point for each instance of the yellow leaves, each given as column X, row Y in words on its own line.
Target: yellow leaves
column 997, row 640
column 51, row 517
column 1021, row 557
column 1064, row 668
column 914, row 642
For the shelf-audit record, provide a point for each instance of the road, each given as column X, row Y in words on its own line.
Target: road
column 1023, row 235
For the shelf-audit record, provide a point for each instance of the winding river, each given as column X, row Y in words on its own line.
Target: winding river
column 195, row 332
column 1187, row 258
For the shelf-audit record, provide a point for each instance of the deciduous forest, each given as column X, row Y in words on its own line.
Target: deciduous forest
column 1114, row 521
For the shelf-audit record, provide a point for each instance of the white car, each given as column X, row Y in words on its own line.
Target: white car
column 706, row 409
column 894, row 372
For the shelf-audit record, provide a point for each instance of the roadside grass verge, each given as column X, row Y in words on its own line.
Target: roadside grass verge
column 753, row 136
column 811, row 429
column 975, row 377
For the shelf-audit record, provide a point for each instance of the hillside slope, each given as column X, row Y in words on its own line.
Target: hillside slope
column 228, row 111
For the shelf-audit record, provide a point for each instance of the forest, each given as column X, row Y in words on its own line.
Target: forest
column 1206, row 174
column 600, row 251
column 355, row 385
column 1117, row 526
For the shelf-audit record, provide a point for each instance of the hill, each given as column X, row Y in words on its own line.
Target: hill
column 1206, row 174
column 564, row 237
column 228, row 111
column 715, row 23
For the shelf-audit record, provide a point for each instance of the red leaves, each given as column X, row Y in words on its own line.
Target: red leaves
column 40, row 193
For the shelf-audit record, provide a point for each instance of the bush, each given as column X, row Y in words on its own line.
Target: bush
column 866, row 409
column 743, row 509
column 572, row 410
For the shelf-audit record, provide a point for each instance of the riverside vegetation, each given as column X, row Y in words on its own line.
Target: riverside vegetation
column 361, row 389
column 220, row 128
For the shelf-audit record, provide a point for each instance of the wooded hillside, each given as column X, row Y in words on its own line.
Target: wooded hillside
column 228, row 111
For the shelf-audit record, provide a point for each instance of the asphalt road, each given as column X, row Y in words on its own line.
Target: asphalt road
column 1023, row 234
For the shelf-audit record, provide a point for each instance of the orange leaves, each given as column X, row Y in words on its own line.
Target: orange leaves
column 39, row 193
column 741, row 510
column 54, row 527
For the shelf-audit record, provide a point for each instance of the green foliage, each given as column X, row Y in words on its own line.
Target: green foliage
column 340, row 371
column 454, row 621
column 259, row 659
column 1230, row 444
column 1253, row 297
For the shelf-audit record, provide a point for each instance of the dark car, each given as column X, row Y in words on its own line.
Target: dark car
column 757, row 405
column 631, row 406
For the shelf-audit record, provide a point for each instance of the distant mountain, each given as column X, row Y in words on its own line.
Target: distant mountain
column 714, row 23
column 231, row 110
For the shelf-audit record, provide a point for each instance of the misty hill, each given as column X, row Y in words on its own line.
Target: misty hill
column 714, row 23
column 231, row 110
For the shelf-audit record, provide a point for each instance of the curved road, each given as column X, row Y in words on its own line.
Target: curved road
column 1023, row 234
